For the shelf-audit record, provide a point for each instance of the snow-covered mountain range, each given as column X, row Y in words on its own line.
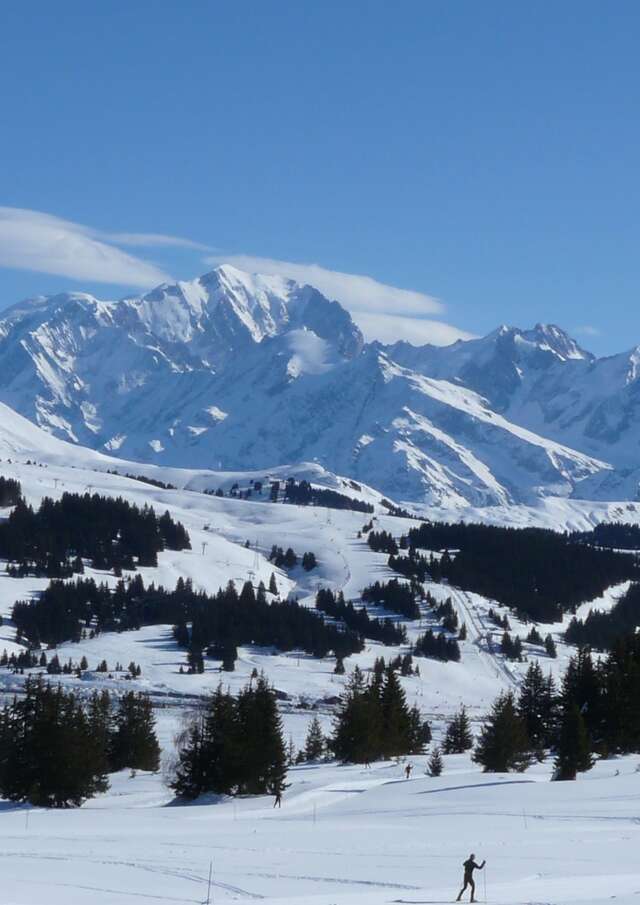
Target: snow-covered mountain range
column 240, row 371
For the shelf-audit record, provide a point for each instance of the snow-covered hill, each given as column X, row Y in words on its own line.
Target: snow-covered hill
column 345, row 835
column 238, row 371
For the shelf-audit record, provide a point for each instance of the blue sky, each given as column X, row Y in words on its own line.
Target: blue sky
column 482, row 155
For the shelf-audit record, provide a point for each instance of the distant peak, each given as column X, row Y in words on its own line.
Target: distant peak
column 557, row 340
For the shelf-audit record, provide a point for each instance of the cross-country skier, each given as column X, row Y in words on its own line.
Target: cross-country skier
column 469, row 867
column 407, row 770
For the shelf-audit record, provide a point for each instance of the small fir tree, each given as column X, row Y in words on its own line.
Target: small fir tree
column 314, row 746
column 574, row 751
column 503, row 745
column 458, row 737
column 436, row 764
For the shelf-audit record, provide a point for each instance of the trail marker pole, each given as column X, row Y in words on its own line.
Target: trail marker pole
column 209, row 883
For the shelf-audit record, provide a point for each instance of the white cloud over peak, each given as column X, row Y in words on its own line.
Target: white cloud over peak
column 33, row 240
column 587, row 330
column 383, row 312
column 418, row 331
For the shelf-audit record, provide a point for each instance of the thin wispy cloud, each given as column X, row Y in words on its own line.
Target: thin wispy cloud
column 33, row 240
column 382, row 312
column 391, row 328
column 588, row 330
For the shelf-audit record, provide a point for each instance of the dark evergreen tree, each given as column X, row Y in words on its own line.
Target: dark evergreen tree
column 536, row 706
column 10, row 492
column 503, row 745
column 315, row 745
column 574, row 751
column 191, row 777
column 355, row 737
column 436, row 764
column 134, row 743
column 458, row 737
column 235, row 746
column 309, row 561
column 48, row 754
column 374, row 721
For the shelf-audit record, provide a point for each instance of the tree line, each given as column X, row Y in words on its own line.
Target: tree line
column 109, row 532
column 601, row 630
column 10, row 492
column 616, row 535
column 66, row 610
column 539, row 572
column 394, row 595
column 594, row 713
column 56, row 751
column 302, row 493
column 358, row 620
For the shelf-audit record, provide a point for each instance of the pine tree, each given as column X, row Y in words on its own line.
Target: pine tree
column 458, row 737
column 263, row 759
column 536, row 707
column 503, row 744
column 550, row 647
column 134, row 743
column 436, row 764
column 574, row 751
column 395, row 717
column 100, row 716
column 355, row 734
column 582, row 686
column 314, row 746
column 419, row 732
column 48, row 755
column 273, row 585
column 191, row 776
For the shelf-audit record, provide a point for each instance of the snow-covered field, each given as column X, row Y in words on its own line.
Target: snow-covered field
column 344, row 834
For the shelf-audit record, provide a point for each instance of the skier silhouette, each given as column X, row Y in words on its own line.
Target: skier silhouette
column 407, row 770
column 469, row 867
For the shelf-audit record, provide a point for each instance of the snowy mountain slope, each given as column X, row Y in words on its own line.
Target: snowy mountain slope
column 135, row 842
column 238, row 371
column 543, row 380
column 221, row 527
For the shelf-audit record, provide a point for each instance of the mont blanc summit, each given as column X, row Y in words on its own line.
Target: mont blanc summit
column 239, row 370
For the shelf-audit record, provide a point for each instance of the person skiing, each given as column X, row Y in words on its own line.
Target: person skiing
column 277, row 793
column 407, row 771
column 469, row 866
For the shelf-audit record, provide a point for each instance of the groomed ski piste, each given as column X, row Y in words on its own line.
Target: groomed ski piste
column 344, row 834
